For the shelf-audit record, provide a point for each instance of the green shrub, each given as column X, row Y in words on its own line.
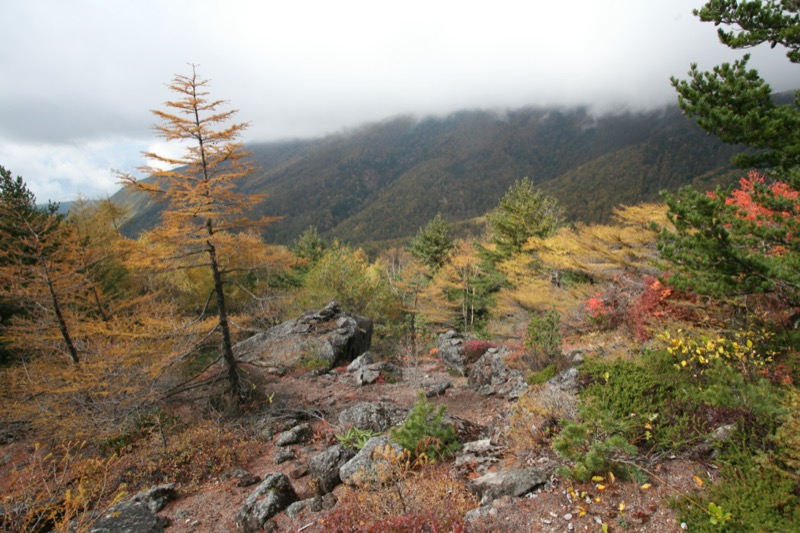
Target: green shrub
column 545, row 374
column 645, row 402
column 424, row 432
column 758, row 496
column 543, row 339
column 594, row 454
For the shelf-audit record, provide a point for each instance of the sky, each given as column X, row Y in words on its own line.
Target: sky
column 78, row 78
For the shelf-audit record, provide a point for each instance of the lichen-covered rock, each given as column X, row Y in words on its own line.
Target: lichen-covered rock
column 374, row 416
column 270, row 497
column 298, row 434
column 363, row 360
column 437, row 389
column 371, row 462
column 129, row 517
column 490, row 375
column 321, row 339
column 156, row 498
column 324, row 467
column 518, row 482
column 451, row 351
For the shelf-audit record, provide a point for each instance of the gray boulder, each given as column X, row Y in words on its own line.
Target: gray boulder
column 370, row 463
column 451, row 351
column 374, row 416
column 270, row 497
column 129, row 517
column 478, row 456
column 437, row 389
column 138, row 514
column 321, row 340
column 518, row 482
column 490, row 375
column 156, row 498
column 366, row 375
column 298, row 434
column 363, row 360
column 324, row 467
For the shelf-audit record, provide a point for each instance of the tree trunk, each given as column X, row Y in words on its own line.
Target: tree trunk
column 222, row 311
column 62, row 323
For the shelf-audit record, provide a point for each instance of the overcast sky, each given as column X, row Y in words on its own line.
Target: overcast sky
column 78, row 77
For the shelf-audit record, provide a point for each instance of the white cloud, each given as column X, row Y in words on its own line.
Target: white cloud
column 82, row 75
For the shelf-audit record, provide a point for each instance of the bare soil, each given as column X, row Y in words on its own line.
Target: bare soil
column 560, row 505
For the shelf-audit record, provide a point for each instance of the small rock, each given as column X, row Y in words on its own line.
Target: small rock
column 298, row 471
column 281, row 456
column 272, row 495
column 365, row 359
column 365, row 376
column 437, row 389
column 567, row 516
column 364, row 467
column 324, row 467
column 241, row 477
column 299, row 433
column 374, row 416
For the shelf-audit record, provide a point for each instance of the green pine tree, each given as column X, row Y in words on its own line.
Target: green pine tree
column 523, row 212
column 742, row 241
column 433, row 243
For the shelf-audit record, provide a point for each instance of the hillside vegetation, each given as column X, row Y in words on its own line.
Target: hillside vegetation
column 383, row 181
column 636, row 364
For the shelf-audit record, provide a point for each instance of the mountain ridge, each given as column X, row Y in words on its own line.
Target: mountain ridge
column 382, row 181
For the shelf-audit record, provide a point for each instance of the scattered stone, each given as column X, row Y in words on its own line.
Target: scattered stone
column 437, row 389
column 322, row 339
column 491, row 376
column 477, row 456
column 156, row 498
column 480, row 512
column 366, row 465
column 374, row 416
column 129, row 517
column 518, row 482
column 298, row 471
column 566, row 381
column 296, row 508
column 281, row 456
column 240, row 477
column 365, row 376
column 298, row 434
column 271, row 496
column 720, row 435
column 365, row 359
column 325, row 466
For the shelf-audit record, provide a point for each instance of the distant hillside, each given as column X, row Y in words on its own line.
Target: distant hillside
column 383, row 181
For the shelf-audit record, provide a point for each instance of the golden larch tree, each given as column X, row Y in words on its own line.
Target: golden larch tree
column 204, row 214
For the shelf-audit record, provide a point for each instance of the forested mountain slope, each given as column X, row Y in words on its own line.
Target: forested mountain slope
column 384, row 180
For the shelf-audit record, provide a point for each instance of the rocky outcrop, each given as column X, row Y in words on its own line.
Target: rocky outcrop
column 138, row 514
column 451, row 351
column 324, row 467
column 371, row 462
column 374, row 416
column 490, row 375
column 317, row 340
column 128, row 517
column 272, row 496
